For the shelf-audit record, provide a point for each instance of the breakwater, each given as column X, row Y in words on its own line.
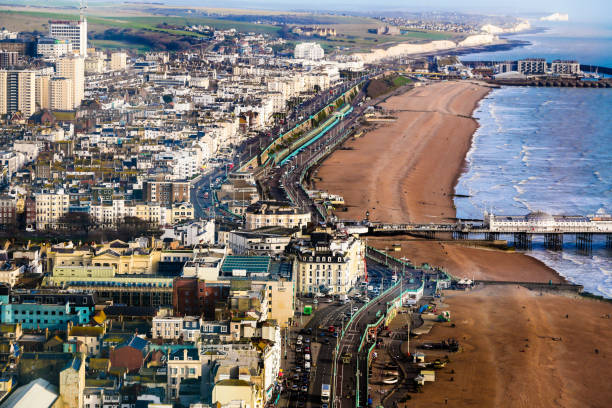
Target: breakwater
column 553, row 82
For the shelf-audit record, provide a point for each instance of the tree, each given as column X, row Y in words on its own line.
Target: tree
column 167, row 98
column 76, row 221
column 132, row 227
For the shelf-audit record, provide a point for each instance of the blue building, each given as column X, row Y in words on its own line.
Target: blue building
column 46, row 309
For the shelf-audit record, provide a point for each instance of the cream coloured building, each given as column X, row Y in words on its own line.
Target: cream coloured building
column 73, row 67
column 61, row 94
column 50, row 207
column 182, row 364
column 18, row 92
column 94, row 65
column 327, row 264
column 3, row 89
column 118, row 61
column 181, row 212
column 43, row 91
column 274, row 213
column 167, row 327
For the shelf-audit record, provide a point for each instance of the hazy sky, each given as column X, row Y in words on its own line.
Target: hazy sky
column 579, row 10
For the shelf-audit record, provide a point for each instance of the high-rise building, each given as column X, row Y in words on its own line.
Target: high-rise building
column 565, row 67
column 118, row 61
column 61, row 94
column 3, row 107
column 53, row 48
column 8, row 59
column 75, row 31
column 532, row 66
column 73, row 68
column 308, row 51
column 43, row 97
column 18, row 92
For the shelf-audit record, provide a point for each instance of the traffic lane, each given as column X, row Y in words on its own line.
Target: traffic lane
column 350, row 343
column 324, row 363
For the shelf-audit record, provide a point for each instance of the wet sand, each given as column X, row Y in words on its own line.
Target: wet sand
column 509, row 357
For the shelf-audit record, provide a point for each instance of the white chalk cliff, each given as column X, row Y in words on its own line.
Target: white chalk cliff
column 411, row 49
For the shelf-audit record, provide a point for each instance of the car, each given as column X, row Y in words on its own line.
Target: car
column 325, row 341
column 298, row 349
column 306, row 349
column 296, row 377
column 324, row 406
column 307, row 340
column 304, row 388
column 298, row 369
column 322, row 334
column 355, row 309
column 299, row 342
column 294, row 387
column 335, row 334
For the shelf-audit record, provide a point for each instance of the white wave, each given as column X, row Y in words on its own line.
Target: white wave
column 592, row 272
column 597, row 175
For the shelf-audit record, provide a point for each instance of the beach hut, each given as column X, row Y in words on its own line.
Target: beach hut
column 428, row 375
column 419, row 357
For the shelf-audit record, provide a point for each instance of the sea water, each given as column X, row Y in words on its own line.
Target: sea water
column 590, row 44
column 547, row 149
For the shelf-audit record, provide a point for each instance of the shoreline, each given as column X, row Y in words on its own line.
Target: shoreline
column 408, row 170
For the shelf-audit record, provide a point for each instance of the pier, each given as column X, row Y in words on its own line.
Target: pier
column 553, row 228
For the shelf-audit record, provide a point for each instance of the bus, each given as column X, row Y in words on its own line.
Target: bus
column 307, row 310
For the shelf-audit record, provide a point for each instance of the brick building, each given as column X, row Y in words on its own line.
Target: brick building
column 195, row 297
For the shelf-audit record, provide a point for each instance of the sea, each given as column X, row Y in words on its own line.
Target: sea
column 547, row 149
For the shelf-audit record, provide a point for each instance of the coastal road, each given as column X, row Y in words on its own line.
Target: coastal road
column 346, row 380
column 329, row 314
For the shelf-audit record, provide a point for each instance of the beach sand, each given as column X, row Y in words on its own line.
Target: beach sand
column 406, row 171
column 469, row 262
column 509, row 357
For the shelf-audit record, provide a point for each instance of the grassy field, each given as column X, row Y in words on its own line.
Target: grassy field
column 137, row 23
column 109, row 44
column 353, row 35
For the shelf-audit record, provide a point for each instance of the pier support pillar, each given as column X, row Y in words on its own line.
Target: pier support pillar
column 522, row 240
column 553, row 241
column 460, row 235
column 584, row 242
column 430, row 234
column 492, row 236
column 609, row 241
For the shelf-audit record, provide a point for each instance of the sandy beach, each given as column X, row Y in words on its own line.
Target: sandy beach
column 469, row 262
column 520, row 350
column 406, row 171
column 518, row 347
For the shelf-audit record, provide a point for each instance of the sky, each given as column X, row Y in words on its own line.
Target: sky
column 583, row 10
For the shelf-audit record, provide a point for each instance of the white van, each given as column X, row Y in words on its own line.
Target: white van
column 307, row 357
